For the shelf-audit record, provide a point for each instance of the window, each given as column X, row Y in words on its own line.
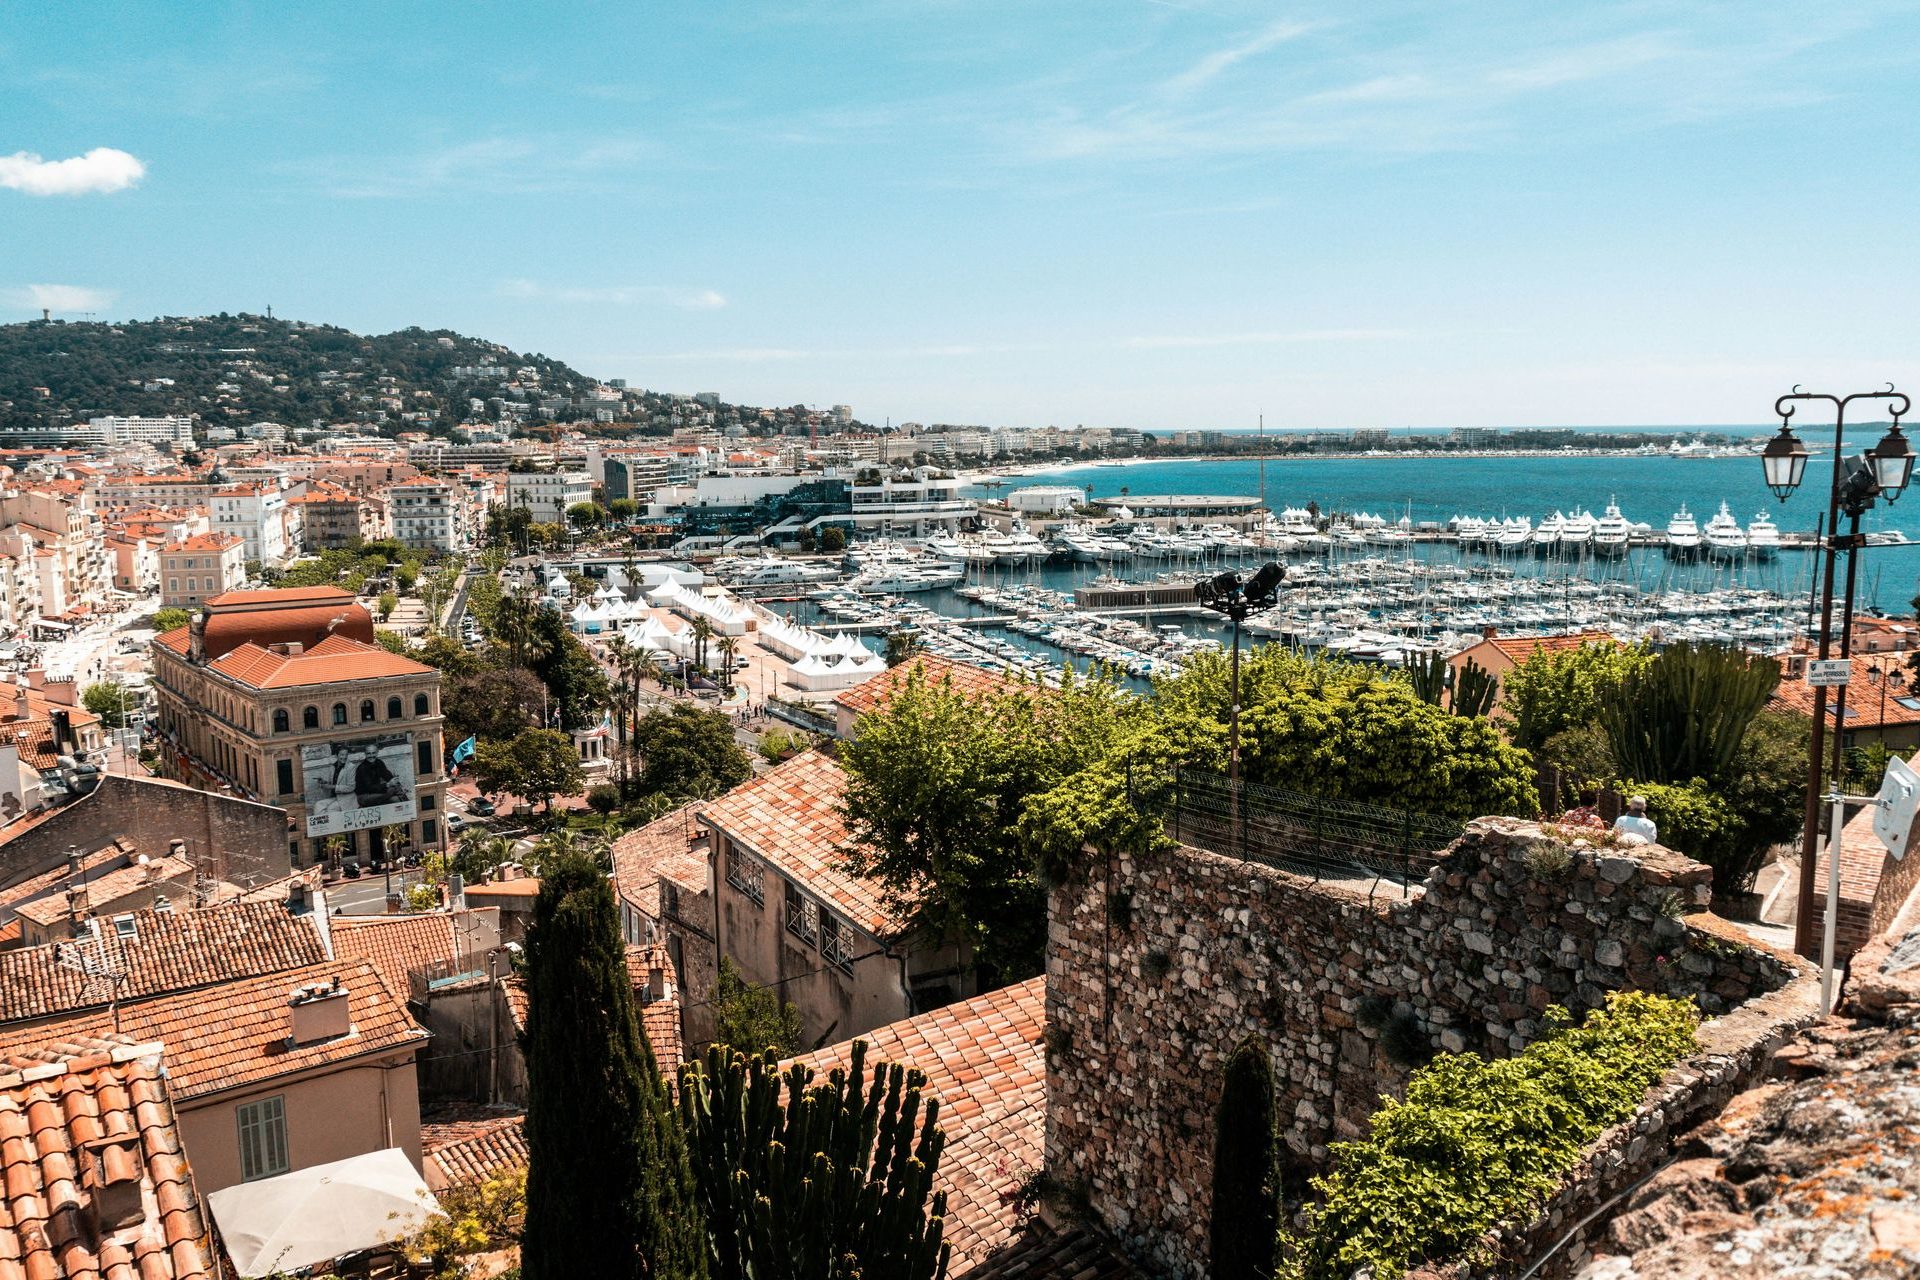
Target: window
column 393, row 709
column 283, row 776
column 429, row 831
column 835, row 943
column 280, row 722
column 421, row 707
column 426, row 804
column 366, row 710
column 423, row 751
column 744, row 873
column 310, row 718
column 263, row 1138
column 173, row 584
column 339, row 713
column 803, row 914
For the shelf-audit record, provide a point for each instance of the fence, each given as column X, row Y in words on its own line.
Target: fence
column 1306, row 834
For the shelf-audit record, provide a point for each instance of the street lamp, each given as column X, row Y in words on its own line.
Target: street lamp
column 1227, row 594
column 1857, row 482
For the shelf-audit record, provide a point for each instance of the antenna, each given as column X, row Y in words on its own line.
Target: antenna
column 88, row 956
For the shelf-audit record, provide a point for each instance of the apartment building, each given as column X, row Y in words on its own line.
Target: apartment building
column 258, row 513
column 332, row 518
column 196, row 569
column 428, row 514
column 284, row 697
column 548, row 494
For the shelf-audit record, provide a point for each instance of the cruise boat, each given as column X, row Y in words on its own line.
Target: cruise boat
column 1546, row 534
column 1683, row 535
column 1612, row 533
column 1577, row 534
column 1763, row 536
column 1723, row 535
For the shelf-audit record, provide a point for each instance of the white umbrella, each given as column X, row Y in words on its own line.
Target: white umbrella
column 321, row 1213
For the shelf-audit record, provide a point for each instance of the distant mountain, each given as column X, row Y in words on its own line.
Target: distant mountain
column 233, row 369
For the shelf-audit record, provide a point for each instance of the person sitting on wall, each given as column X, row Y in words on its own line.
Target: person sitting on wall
column 1634, row 826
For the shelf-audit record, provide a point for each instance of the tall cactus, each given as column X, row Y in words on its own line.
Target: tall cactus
column 1428, row 676
column 1682, row 715
column 815, row 1181
column 1474, row 689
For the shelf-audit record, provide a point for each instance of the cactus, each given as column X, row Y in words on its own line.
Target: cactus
column 1428, row 675
column 1474, row 689
column 815, row 1181
column 1683, row 715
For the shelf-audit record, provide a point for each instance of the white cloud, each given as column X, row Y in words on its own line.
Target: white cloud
column 1264, row 339
column 1221, row 60
column 101, row 170
column 57, row 297
column 617, row 295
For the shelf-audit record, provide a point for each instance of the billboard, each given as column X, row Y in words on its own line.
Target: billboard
column 359, row 783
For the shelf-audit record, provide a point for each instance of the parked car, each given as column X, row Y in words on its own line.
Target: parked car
column 456, row 823
column 481, row 806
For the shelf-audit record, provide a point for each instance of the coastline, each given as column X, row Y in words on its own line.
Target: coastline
column 1001, row 471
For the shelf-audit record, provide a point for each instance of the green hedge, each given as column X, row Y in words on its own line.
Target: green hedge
column 1477, row 1142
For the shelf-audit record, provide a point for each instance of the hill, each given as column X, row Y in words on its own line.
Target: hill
column 238, row 369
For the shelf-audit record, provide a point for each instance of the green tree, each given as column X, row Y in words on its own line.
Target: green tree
column 1246, row 1191
column 388, row 602
column 1552, row 690
column 498, row 703
column 473, row 1219
column 815, row 1180
column 575, row 680
column 689, row 752
column 111, row 701
column 901, row 645
column 609, row 1189
column 603, row 799
column 833, row 539
column 170, row 619
column 537, row 765
column 752, row 1020
column 1758, row 803
column 623, row 509
column 585, row 516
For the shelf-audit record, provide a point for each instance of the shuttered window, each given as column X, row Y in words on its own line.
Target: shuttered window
column 263, row 1138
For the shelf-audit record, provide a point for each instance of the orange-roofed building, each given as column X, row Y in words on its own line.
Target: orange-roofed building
column 871, row 695
column 1497, row 654
column 195, row 569
column 789, row 913
column 282, row 697
column 1883, row 701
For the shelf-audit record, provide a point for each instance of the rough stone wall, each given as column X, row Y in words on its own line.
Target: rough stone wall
column 1159, row 966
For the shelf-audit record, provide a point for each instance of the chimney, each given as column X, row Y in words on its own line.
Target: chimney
column 1489, row 632
column 36, row 677
column 177, row 849
column 22, row 705
column 318, row 1011
column 110, row 1171
column 63, row 739
column 656, row 984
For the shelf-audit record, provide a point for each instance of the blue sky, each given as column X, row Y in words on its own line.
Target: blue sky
column 1153, row 213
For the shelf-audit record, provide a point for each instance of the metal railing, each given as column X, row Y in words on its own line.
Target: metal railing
column 1306, row 834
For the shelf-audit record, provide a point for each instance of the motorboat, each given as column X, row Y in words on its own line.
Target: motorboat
column 1514, row 535
column 1017, row 545
column 903, row 577
column 1683, row 535
column 1087, row 545
column 1297, row 522
column 1612, row 533
column 1469, row 531
column 1546, row 534
column 1576, row 535
column 769, row 572
column 1763, row 536
column 1724, row 536
column 969, row 550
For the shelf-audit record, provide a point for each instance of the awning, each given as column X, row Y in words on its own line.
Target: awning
column 316, row 1215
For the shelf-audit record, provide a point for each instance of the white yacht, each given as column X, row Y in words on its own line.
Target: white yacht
column 1514, row 535
column 1723, row 535
column 1546, row 534
column 1683, row 534
column 1763, row 536
column 1577, row 534
column 1016, row 546
column 1469, row 531
column 1087, row 545
column 1298, row 522
column 963, row 549
column 768, row 572
column 1612, row 533
column 899, row 577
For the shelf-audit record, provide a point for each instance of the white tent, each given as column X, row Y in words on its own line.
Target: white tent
column 316, row 1215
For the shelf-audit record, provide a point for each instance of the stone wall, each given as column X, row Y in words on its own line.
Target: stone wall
column 1159, row 966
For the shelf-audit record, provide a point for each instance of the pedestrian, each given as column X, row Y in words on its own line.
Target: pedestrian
column 1634, row 826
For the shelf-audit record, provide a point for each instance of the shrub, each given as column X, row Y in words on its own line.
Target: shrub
column 603, row 798
column 1475, row 1142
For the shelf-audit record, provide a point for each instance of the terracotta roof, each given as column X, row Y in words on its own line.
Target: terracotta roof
column 1873, row 697
column 48, row 1119
column 964, row 678
column 398, row 945
column 306, row 624
column 1042, row 1253
column 280, row 596
column 524, row 887
column 164, row 875
column 983, row 1058
column 673, row 846
column 496, row 1147
column 47, row 881
column 170, row 951
column 335, row 659
column 659, row 1019
column 235, row 1034
column 790, row 817
column 206, row 542
column 1520, row 648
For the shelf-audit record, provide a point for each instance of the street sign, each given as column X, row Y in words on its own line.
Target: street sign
column 1828, row 672
column 1895, row 807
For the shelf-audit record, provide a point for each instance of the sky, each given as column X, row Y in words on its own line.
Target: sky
column 1145, row 213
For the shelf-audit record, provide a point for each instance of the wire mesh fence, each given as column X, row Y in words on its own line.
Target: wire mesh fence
column 1306, row 834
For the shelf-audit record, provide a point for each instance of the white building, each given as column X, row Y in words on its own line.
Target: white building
column 1046, row 499
column 548, row 494
column 426, row 514
column 118, row 430
column 915, row 502
column 258, row 515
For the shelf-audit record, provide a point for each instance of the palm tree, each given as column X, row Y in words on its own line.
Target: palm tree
column 729, row 646
column 702, row 632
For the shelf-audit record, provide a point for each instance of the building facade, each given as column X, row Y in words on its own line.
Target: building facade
column 197, row 569
column 427, row 514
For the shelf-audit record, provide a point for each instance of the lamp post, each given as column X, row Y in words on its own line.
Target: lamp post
column 1228, row 595
column 1856, row 483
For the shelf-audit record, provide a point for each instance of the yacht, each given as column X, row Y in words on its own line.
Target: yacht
column 1612, row 533
column 900, row 577
column 1087, row 545
column 1763, row 536
column 1514, row 535
column 1577, row 534
column 1469, row 530
column 1546, row 534
column 1723, row 535
column 969, row 550
column 1683, row 535
column 1016, row 546
column 755, row 572
column 1297, row 522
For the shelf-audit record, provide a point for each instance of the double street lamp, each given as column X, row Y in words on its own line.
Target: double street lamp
column 1227, row 594
column 1857, row 483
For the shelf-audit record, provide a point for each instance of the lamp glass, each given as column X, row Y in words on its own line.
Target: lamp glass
column 1892, row 463
column 1785, row 462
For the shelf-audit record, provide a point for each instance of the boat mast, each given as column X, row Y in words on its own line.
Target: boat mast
column 1262, row 451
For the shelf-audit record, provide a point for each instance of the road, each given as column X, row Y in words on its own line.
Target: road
column 366, row 896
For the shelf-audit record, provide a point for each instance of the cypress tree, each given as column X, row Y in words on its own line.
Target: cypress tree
column 1245, row 1186
column 609, row 1190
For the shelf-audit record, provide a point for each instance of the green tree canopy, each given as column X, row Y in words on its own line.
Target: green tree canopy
column 111, row 701
column 538, row 765
column 1554, row 690
column 170, row 619
column 752, row 1020
column 688, row 751
column 498, row 703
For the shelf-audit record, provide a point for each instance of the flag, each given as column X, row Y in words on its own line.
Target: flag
column 464, row 751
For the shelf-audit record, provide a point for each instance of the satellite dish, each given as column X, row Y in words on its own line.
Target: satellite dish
column 1895, row 807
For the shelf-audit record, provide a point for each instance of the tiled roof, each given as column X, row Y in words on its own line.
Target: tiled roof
column 164, row 874
column 170, row 951
column 673, row 846
column 1520, row 648
column 306, row 624
column 790, row 816
column 1873, row 695
column 659, row 1019
column 964, row 678
column 497, row 1147
column 49, row 1117
column 397, row 945
column 118, row 851
column 336, row 658
column 206, row 542
column 223, row 1037
column 1042, row 1253
column 281, row 596
column 984, row 1060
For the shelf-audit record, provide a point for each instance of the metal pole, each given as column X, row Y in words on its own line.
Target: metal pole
column 1833, row 901
column 1233, row 734
column 1846, row 651
column 1810, row 837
